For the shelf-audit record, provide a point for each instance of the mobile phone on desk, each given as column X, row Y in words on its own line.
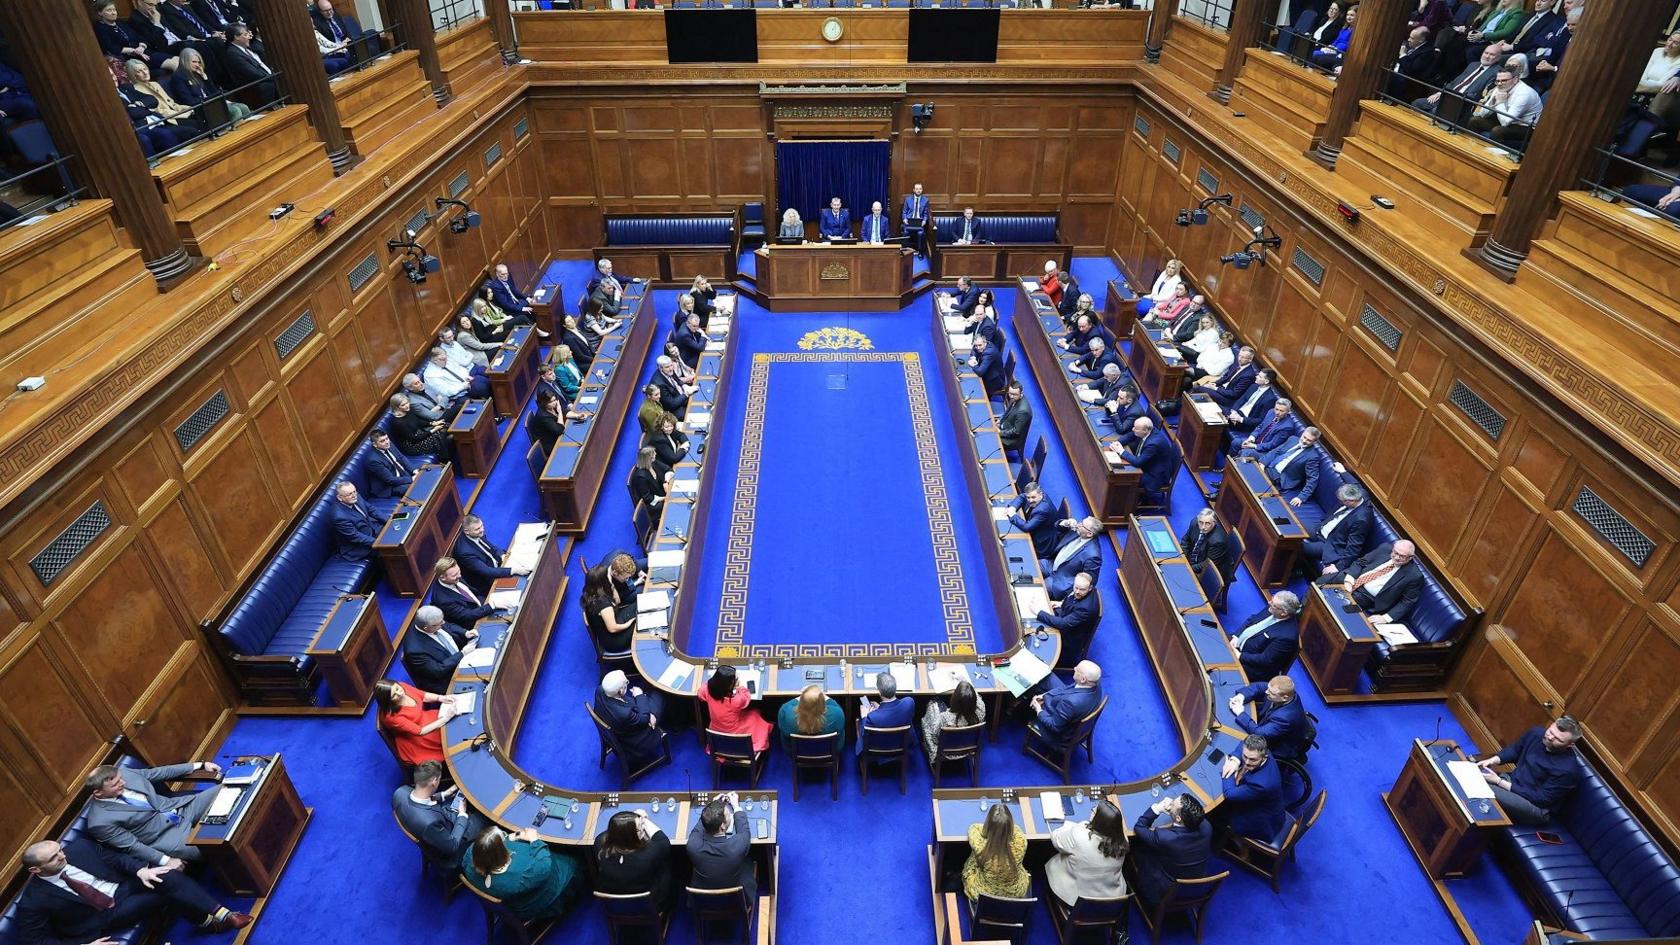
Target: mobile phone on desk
column 761, row 828
column 1216, row 756
column 398, row 516
column 1350, row 608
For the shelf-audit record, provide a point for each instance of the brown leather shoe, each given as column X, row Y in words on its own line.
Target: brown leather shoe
column 232, row 922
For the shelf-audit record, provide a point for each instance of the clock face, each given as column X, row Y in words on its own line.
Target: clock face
column 832, row 30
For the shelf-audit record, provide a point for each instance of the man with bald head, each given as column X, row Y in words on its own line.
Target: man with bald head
column 1385, row 583
column 1076, row 615
column 84, row 892
column 1060, row 709
column 632, row 716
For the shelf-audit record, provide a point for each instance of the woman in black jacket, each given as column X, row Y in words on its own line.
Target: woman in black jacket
column 547, row 423
column 415, row 435
column 611, row 619
column 646, row 486
column 670, row 446
column 634, row 856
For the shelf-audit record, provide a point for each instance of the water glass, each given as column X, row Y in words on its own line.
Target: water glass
column 1079, row 796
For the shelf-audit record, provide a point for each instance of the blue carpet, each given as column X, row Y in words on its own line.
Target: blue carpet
column 352, row 878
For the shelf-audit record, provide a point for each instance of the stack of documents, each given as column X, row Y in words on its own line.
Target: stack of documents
column 503, row 600
column 479, row 657
column 526, row 545
column 1112, row 456
column 904, row 674
column 667, row 558
column 653, row 620
column 956, row 323
column 945, row 676
column 961, row 341
column 465, row 702
column 1030, row 600
column 1209, row 411
column 1023, row 670
column 1051, row 801
column 714, row 344
column 698, row 419
column 675, row 675
column 1469, row 777
column 1089, row 394
column 650, row 601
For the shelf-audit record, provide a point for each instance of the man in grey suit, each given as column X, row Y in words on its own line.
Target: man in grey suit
column 128, row 813
column 445, row 827
column 720, row 847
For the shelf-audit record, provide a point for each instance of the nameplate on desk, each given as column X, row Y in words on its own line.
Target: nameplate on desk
column 650, row 601
column 479, row 657
column 667, row 558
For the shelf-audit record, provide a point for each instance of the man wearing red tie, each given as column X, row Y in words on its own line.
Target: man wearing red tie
column 1385, row 583
column 461, row 605
column 83, row 892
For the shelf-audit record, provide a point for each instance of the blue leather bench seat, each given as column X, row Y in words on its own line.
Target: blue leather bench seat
column 1002, row 227
column 1608, row 879
column 10, row 934
column 302, row 582
column 671, row 230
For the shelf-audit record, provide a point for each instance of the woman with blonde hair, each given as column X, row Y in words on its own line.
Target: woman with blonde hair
column 173, row 112
column 1169, row 279
column 566, row 372
column 792, row 227
column 813, row 713
column 494, row 320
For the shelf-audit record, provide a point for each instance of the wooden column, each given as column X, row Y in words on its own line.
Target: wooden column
column 289, row 46
column 59, row 57
column 1377, row 35
column 1242, row 34
column 501, row 24
column 1160, row 17
column 421, row 36
column 1607, row 54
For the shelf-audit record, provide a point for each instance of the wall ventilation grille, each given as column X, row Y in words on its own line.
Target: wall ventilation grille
column 363, row 273
column 1381, row 328
column 202, row 421
column 70, row 543
column 295, row 335
column 1170, row 150
column 1308, row 266
column 1480, row 412
column 1613, row 528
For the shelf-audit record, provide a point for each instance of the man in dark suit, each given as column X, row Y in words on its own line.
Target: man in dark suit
column 1098, row 355
column 1545, row 51
column 987, row 362
column 445, row 829
column 1416, row 62
column 1153, row 455
column 1276, row 428
column 963, row 300
column 632, row 716
column 1268, row 641
column 875, row 228
column 1079, row 552
column 185, row 22
column 1177, row 849
column 245, row 65
column 890, row 711
column 1059, row 711
column 1125, row 408
column 1278, row 716
column 434, row 649
column 1540, row 29
column 673, row 393
column 836, row 221
column 1076, row 615
column 690, row 340
column 1253, row 790
column 1293, row 467
column 606, row 289
column 1253, row 406
column 1341, row 539
column 506, row 295
column 481, row 561
column 1385, row 584
column 461, row 605
column 83, row 892
column 1070, row 295
column 721, row 857
column 388, row 474
column 1229, row 387
column 338, row 28
column 1037, row 517
column 1467, row 86
column 1016, row 419
column 913, row 217
column 1204, row 543
column 982, row 323
column 969, row 229
column 1108, row 391
column 356, row 524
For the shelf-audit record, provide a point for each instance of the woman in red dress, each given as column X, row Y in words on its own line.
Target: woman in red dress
column 730, row 706
column 414, row 720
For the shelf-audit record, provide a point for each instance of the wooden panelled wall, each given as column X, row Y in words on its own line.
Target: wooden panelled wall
column 1581, row 628
column 113, row 646
column 658, row 151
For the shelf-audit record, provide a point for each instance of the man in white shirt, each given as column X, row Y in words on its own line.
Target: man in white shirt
column 1509, row 109
column 82, row 892
column 875, row 225
column 449, row 383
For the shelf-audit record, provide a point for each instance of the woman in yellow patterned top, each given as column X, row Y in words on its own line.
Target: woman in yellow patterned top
column 995, row 865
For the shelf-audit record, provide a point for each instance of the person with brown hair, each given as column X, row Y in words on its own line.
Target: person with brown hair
column 995, row 866
column 634, row 856
column 521, row 871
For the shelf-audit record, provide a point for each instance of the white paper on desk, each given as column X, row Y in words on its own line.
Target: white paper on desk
column 680, row 486
column 1089, row 394
column 586, row 401
column 666, row 558
column 1031, row 284
column 698, row 419
column 650, row 601
column 904, row 674
column 1030, row 600
column 479, row 657
column 1051, row 801
column 1170, row 353
column 1001, row 512
column 960, row 341
column 945, row 676
column 723, row 303
column 653, row 620
column 226, row 797
column 1026, row 665
column 675, row 675
column 1209, row 411
column 714, row 345
column 955, row 324
column 1469, row 777
column 1112, row 457
column 465, row 702
column 503, row 600
column 540, row 294
column 1396, row 634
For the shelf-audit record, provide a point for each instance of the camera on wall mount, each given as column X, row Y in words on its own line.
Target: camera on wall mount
column 1198, row 216
column 1254, row 250
column 461, row 222
column 417, row 263
column 921, row 115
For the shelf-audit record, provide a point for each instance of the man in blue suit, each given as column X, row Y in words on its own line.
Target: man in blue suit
column 506, row 295
column 1293, row 467
column 836, row 221
column 1268, row 641
column 480, row 561
column 336, row 27
column 1273, row 430
column 913, row 218
column 1279, row 717
column 1037, row 517
column 890, row 712
column 1229, row 387
column 461, row 605
column 388, row 473
column 632, row 716
column 1125, row 409
column 445, row 828
column 1153, row 455
column 1076, row 615
column 968, row 229
column 1059, row 711
column 876, row 228
column 1252, row 407
column 1253, row 790
column 1177, row 849
column 964, row 299
column 355, row 523
column 1098, row 356
column 1078, row 553
column 433, row 648
column 1341, row 539
column 988, row 364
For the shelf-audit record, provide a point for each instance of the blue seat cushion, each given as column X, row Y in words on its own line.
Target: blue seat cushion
column 1002, row 227
column 671, row 230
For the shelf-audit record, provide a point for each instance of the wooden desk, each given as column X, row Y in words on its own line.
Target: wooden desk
column 1158, row 377
column 473, row 434
column 1200, row 438
column 353, row 648
column 247, row 853
column 572, row 478
column 549, row 307
column 513, row 371
column 1119, row 308
column 1334, row 644
column 1271, row 534
column 819, row 277
column 998, row 262
column 1441, row 825
column 1110, row 488
column 408, row 547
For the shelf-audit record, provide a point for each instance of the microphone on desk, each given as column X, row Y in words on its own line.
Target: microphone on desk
column 673, row 535
column 689, row 782
column 1437, row 737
